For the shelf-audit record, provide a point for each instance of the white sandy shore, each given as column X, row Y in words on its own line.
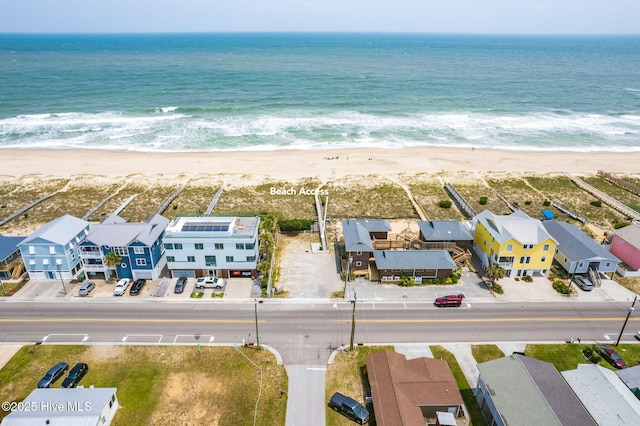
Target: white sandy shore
column 301, row 164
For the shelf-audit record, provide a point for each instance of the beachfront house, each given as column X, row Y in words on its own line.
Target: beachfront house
column 138, row 245
column 518, row 390
column 215, row 246
column 408, row 392
column 452, row 235
column 421, row 265
column 11, row 266
column 359, row 239
column 626, row 246
column 516, row 242
column 577, row 253
column 51, row 252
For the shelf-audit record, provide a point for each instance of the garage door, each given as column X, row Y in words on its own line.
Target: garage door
column 187, row 273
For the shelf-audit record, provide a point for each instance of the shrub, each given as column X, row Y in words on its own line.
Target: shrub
column 546, row 203
column 527, row 279
column 621, row 225
column 561, row 287
column 596, row 203
column 587, row 352
column 594, row 358
column 483, row 201
column 352, row 275
column 445, row 204
column 406, row 281
column 292, row 225
column 498, row 288
column 528, row 202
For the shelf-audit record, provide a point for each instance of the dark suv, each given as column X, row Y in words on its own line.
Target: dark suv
column 180, row 284
column 349, row 408
column 75, row 375
column 53, row 374
column 136, row 287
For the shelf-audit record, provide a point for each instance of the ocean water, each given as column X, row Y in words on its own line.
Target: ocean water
column 207, row 92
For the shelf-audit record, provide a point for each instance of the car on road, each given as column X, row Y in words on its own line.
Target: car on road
column 447, row 302
column 209, row 282
column 180, row 285
column 611, row 356
column 455, row 296
column 86, row 288
column 137, row 286
column 638, row 335
column 53, row 375
column 75, row 375
column 121, row 287
column 349, row 407
column 583, row 282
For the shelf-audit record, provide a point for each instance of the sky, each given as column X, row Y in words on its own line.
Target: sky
column 423, row 16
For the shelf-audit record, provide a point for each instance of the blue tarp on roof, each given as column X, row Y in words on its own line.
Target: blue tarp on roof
column 548, row 214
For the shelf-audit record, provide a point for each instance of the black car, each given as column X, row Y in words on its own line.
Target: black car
column 53, row 375
column 180, row 284
column 349, row 407
column 75, row 375
column 137, row 286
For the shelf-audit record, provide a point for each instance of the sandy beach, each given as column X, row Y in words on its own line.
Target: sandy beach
column 322, row 164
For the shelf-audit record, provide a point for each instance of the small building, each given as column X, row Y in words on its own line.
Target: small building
column 520, row 391
column 10, row 260
column 447, row 231
column 625, row 245
column 604, row 395
column 576, row 252
column 516, row 242
column 51, row 252
column 406, row 392
column 419, row 264
column 359, row 237
column 138, row 244
column 216, row 246
column 60, row 406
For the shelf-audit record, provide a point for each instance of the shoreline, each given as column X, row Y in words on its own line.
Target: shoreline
column 323, row 164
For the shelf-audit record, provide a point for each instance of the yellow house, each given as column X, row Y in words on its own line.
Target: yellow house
column 517, row 242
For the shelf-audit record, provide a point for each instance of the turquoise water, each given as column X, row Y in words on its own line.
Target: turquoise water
column 203, row 92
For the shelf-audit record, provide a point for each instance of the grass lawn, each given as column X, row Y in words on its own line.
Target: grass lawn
column 474, row 412
column 164, row 385
column 567, row 357
column 483, row 353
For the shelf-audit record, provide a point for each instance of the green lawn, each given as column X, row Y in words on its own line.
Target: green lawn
column 484, row 353
column 165, row 384
column 567, row 357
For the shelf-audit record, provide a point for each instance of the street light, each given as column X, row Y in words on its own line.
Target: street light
column 627, row 319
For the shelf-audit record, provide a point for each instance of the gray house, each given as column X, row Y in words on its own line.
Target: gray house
column 420, row 264
column 358, row 240
column 453, row 231
column 576, row 252
column 522, row 391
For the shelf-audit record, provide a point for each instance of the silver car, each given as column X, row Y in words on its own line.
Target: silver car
column 583, row 283
column 86, row 288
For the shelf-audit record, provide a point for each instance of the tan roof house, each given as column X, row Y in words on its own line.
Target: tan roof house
column 406, row 392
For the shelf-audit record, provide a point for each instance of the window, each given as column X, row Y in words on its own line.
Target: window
column 229, row 258
column 239, row 246
column 171, row 259
column 73, row 256
column 121, row 251
column 138, row 250
column 607, row 264
column 509, row 247
column 251, row 258
column 525, row 259
column 199, row 246
column 45, row 261
column 210, row 261
column 70, row 245
column 32, row 250
column 527, row 246
column 545, row 247
column 52, row 249
column 191, row 258
column 219, row 246
column 58, row 261
column 358, row 253
column 141, row 262
column 168, row 246
column 177, row 246
column 32, row 261
column 358, row 263
column 250, row 246
column 543, row 259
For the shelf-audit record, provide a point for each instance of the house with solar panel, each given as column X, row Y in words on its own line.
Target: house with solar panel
column 137, row 244
column 212, row 246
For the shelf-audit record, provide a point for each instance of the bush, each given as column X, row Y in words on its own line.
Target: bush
column 596, row 203
column 546, row 203
column 406, row 281
column 498, row 288
column 292, row 225
column 445, row 204
column 587, row 352
column 527, row 279
column 561, row 287
column 483, row 201
column 528, row 202
column 352, row 275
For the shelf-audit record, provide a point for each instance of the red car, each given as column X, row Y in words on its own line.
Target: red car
column 611, row 356
column 455, row 296
column 447, row 301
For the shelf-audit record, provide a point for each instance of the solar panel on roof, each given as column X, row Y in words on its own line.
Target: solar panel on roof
column 205, row 227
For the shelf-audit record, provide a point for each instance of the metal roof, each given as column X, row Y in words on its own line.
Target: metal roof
column 517, row 226
column 604, row 395
column 120, row 233
column 356, row 236
column 375, row 225
column 549, row 401
column 59, row 231
column 630, row 233
column 413, row 259
column 445, row 230
column 8, row 245
column 575, row 244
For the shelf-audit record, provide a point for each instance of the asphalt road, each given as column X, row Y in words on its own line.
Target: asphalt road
column 306, row 333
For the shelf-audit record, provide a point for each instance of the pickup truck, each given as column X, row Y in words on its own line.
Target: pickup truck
column 209, row 282
column 349, row 408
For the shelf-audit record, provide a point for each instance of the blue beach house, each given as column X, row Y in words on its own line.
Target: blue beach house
column 138, row 244
column 10, row 262
column 51, row 253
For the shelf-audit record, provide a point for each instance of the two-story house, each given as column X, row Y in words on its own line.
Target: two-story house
column 359, row 237
column 215, row 246
column 517, row 242
column 51, row 252
column 138, row 245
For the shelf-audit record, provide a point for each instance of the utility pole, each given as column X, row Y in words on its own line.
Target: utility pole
column 627, row 319
column 346, row 277
column 256, row 312
column 64, row 290
column 353, row 320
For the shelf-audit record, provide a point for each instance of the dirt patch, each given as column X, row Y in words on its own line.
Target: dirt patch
column 103, row 352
